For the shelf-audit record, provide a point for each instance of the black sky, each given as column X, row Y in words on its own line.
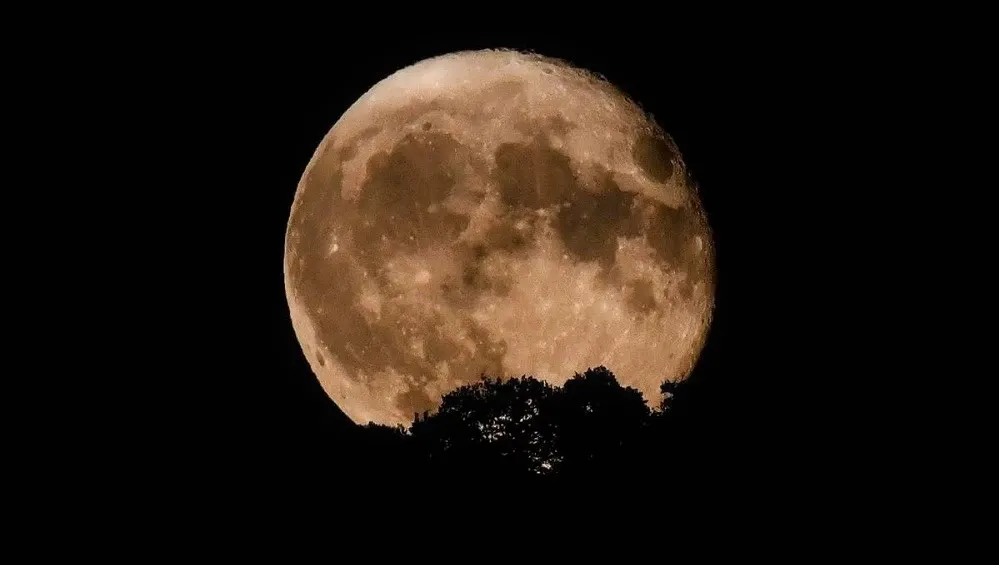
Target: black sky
column 167, row 145
column 755, row 116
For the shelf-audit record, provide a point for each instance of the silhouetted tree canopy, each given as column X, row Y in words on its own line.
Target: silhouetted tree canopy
column 589, row 428
column 598, row 421
column 494, row 423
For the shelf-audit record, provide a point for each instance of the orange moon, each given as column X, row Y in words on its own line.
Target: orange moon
column 494, row 212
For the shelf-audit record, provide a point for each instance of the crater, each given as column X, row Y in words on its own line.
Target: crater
column 655, row 156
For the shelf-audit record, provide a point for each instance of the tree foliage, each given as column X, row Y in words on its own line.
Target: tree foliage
column 598, row 421
column 492, row 423
column 523, row 427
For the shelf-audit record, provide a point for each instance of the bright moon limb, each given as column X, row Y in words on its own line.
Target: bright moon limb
column 494, row 212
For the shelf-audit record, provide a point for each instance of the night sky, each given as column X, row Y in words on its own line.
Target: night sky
column 747, row 114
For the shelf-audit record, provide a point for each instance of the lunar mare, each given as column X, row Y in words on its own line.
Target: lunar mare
column 494, row 212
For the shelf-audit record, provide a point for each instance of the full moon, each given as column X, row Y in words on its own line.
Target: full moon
column 499, row 213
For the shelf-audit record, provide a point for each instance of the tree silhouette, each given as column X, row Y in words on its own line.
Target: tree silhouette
column 599, row 422
column 380, row 451
column 523, row 431
column 493, row 426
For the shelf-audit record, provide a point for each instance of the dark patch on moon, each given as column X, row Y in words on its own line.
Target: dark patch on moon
column 655, row 156
column 503, row 90
column 415, row 401
column 589, row 220
column 474, row 280
column 505, row 236
column 402, row 195
column 590, row 225
column 463, row 290
column 312, row 220
column 463, row 366
column 399, row 208
column 533, row 175
column 497, row 285
column 560, row 125
column 456, row 292
column 555, row 126
column 362, row 344
column 641, row 296
column 331, row 285
column 473, row 277
column 671, row 233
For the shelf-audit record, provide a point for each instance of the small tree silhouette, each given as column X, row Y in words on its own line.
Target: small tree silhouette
column 493, row 426
column 675, row 394
column 524, row 427
column 599, row 422
column 381, row 450
column 523, row 431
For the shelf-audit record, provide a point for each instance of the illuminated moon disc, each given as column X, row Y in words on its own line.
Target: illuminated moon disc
column 501, row 213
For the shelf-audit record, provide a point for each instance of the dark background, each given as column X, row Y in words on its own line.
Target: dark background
column 176, row 140
column 762, row 119
column 830, row 150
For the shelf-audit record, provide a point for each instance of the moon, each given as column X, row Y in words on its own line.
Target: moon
column 501, row 213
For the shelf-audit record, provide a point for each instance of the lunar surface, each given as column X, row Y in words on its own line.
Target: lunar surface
column 497, row 213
